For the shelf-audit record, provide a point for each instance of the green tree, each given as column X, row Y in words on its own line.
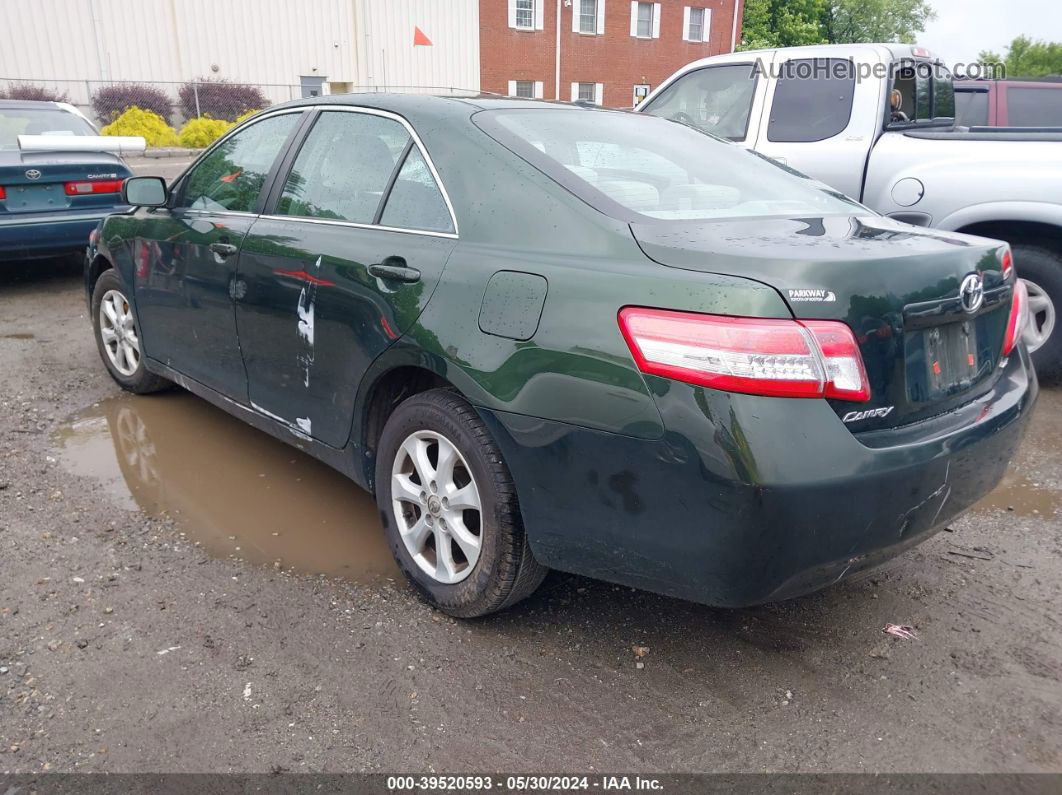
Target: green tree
column 1028, row 58
column 861, row 21
column 791, row 23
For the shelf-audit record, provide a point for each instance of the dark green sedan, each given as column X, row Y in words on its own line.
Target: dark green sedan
column 547, row 336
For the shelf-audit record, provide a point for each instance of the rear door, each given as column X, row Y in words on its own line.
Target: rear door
column 820, row 120
column 186, row 255
column 352, row 247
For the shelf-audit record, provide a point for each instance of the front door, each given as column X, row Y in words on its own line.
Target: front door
column 186, row 257
column 339, row 269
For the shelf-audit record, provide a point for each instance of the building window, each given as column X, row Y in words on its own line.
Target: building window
column 695, row 30
column 645, row 20
column 526, row 89
column 525, row 14
column 588, row 16
column 588, row 92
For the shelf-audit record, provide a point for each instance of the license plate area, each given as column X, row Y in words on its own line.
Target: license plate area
column 36, row 198
column 946, row 359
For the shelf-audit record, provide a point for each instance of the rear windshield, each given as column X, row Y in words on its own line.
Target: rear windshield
column 638, row 167
column 38, row 121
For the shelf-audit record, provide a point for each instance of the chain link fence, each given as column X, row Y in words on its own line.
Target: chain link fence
column 176, row 102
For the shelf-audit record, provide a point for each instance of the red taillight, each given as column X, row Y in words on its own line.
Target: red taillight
column 3, row 193
column 87, row 188
column 1019, row 316
column 776, row 358
column 1008, row 263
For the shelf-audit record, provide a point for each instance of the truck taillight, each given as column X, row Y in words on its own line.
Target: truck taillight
column 3, row 193
column 755, row 356
column 1019, row 316
column 1007, row 261
column 88, row 188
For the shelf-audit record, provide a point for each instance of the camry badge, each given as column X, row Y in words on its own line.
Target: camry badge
column 972, row 292
column 33, row 174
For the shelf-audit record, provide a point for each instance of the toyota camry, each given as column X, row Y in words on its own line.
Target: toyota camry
column 551, row 336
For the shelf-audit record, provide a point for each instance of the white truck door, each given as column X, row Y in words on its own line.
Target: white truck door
column 822, row 114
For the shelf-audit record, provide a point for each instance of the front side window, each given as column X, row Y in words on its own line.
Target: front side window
column 971, row 108
column 639, row 168
column 812, row 100
column 231, row 176
column 525, row 14
column 645, row 21
column 39, row 121
column 696, row 31
column 1034, row 107
column 415, row 201
column 588, row 16
column 343, row 168
column 525, row 89
column 717, row 100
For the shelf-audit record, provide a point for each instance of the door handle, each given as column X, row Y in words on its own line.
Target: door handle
column 396, row 270
column 224, row 249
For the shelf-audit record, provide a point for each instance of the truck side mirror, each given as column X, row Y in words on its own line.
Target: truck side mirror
column 145, row 191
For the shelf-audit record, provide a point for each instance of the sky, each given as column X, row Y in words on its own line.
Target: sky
column 965, row 27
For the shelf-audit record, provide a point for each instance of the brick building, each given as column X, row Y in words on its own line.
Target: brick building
column 611, row 52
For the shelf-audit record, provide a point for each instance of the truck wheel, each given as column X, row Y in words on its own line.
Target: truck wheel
column 449, row 508
column 118, row 337
column 1041, row 268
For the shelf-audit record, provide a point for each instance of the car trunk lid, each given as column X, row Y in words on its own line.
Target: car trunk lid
column 896, row 286
column 35, row 182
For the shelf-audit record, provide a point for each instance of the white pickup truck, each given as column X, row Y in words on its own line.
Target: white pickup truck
column 876, row 122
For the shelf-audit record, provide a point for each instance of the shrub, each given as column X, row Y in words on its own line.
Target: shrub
column 245, row 116
column 112, row 101
column 219, row 99
column 201, row 133
column 39, row 93
column 136, row 121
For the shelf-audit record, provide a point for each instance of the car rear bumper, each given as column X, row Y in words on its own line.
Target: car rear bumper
column 749, row 500
column 48, row 234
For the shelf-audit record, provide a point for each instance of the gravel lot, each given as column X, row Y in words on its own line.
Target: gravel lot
column 177, row 593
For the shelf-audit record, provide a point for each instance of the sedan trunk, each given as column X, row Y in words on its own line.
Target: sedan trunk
column 897, row 287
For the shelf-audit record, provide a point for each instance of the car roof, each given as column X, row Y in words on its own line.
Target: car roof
column 433, row 104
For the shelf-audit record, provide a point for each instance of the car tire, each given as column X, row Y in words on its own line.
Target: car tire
column 1043, row 268
column 117, row 333
column 501, row 570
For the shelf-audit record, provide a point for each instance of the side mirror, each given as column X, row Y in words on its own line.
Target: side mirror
column 144, row 191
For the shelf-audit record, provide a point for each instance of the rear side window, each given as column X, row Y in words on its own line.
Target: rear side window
column 1034, row 107
column 343, row 167
column 812, row 100
column 971, row 108
column 717, row 100
column 231, row 176
column 415, row 201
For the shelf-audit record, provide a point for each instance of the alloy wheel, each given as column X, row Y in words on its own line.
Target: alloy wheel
column 436, row 504
column 118, row 331
column 1041, row 321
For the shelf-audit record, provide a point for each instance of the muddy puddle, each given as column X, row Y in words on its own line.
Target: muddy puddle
column 1022, row 496
column 237, row 491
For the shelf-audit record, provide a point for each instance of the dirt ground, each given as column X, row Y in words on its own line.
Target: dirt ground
column 181, row 593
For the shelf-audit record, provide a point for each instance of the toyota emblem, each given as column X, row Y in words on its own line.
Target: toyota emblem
column 972, row 292
column 33, row 174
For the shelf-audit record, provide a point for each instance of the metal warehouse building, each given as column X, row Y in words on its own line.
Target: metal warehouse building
column 607, row 51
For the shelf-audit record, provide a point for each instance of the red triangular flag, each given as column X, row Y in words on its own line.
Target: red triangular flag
column 419, row 39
